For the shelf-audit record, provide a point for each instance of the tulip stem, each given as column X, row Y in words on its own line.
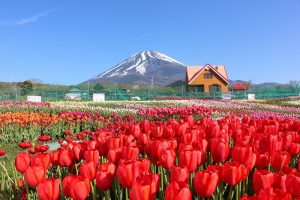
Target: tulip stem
column 27, row 191
column 231, row 193
column 161, row 188
column 237, row 192
column 93, row 191
column 6, row 172
column 126, row 194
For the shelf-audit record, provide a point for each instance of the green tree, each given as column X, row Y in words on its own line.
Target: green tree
column 26, row 87
column 98, row 87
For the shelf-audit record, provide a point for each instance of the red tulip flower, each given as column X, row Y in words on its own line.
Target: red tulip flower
column 48, row 189
column 34, row 175
column 44, row 138
column 179, row 174
column 76, row 187
column 279, row 181
column 88, row 170
column 125, row 173
column 178, row 191
column 113, row 143
column 219, row 150
column 167, row 158
column 262, row 179
column 234, row 172
column 294, row 149
column 92, row 155
column 128, row 171
column 41, row 148
column 67, row 132
column 105, row 175
column 114, row 155
column 25, row 145
column 145, row 187
column 22, row 162
column 280, row 159
column 244, row 155
column 189, row 158
column 293, row 184
column 54, row 157
column 205, row 183
column 130, row 153
column 65, row 157
column 262, row 160
column 43, row 159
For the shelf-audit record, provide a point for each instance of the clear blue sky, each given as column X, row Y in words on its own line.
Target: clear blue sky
column 68, row 42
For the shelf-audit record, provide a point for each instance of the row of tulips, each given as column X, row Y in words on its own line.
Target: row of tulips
column 228, row 158
column 17, row 126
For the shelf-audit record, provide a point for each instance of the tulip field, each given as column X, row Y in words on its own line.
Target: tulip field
column 168, row 148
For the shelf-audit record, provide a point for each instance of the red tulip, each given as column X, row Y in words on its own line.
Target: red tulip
column 43, row 159
column 54, row 157
column 190, row 158
column 113, row 143
column 88, row 170
column 34, row 175
column 262, row 160
column 272, row 194
column 76, row 187
column 129, row 170
column 105, row 175
column 179, row 174
column 67, row 132
column 48, row 189
column 234, row 172
column 219, row 150
column 44, row 138
column 25, row 145
column 279, row 181
column 129, row 153
column 205, row 183
column 41, row 148
column 167, row 158
column 178, row 191
column 65, row 157
column 125, row 173
column 114, row 155
column 145, row 187
column 280, row 159
column 294, row 149
column 262, row 179
column 22, row 162
column 77, row 151
column 244, row 155
column 92, row 155
column 293, row 184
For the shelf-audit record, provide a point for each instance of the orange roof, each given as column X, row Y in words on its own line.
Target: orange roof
column 239, row 86
column 194, row 71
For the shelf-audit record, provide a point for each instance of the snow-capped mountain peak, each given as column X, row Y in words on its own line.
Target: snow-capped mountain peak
column 141, row 65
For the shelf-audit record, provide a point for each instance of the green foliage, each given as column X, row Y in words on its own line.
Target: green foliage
column 26, row 87
column 98, row 87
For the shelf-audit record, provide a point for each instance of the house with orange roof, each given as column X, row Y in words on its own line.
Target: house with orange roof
column 207, row 78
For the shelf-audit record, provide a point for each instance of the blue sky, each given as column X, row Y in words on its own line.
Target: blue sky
column 67, row 42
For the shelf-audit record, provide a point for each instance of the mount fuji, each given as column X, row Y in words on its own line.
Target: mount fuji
column 143, row 68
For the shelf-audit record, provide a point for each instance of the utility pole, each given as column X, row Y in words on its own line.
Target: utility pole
column 152, row 84
column 88, row 89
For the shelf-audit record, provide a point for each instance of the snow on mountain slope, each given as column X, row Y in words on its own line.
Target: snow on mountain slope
column 141, row 67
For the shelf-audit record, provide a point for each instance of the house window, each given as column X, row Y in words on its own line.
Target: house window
column 214, row 88
column 207, row 75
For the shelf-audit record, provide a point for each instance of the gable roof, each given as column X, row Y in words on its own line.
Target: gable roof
column 194, row 71
column 239, row 86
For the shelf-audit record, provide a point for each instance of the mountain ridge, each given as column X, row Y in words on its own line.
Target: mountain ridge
column 145, row 67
